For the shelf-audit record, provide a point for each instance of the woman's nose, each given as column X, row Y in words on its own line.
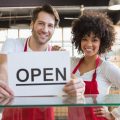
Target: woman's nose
column 89, row 43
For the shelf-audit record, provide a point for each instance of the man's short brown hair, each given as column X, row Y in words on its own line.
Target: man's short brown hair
column 48, row 9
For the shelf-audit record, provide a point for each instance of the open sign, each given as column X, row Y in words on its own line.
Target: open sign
column 38, row 73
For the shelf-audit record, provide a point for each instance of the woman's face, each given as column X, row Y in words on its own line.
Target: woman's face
column 90, row 45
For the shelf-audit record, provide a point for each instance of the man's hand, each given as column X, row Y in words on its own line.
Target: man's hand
column 5, row 91
column 6, row 101
column 74, row 87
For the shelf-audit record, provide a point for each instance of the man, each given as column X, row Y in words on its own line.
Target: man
column 44, row 21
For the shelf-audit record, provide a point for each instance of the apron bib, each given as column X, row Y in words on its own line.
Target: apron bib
column 28, row 113
column 91, row 87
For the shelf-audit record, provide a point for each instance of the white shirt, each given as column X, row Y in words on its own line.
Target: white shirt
column 15, row 45
column 108, row 74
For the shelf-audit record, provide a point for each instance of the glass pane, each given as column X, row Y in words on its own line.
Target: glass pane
column 24, row 33
column 117, row 36
column 67, row 34
column 57, row 36
column 86, row 100
column 12, row 33
column 72, row 108
column 68, row 46
column 68, row 49
column 114, row 55
column 56, row 43
column 3, row 35
column 1, row 45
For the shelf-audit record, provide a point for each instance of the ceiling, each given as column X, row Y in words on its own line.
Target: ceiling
column 18, row 13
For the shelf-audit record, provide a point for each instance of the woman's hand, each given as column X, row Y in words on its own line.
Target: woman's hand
column 57, row 48
column 5, row 91
column 74, row 87
column 103, row 112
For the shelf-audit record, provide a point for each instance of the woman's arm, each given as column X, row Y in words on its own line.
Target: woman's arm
column 112, row 73
column 116, row 113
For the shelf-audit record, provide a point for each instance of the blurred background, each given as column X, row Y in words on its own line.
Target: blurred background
column 15, row 17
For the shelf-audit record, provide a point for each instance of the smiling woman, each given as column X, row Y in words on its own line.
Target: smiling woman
column 93, row 35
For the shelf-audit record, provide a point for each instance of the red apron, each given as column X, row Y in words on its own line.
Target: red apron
column 91, row 87
column 28, row 113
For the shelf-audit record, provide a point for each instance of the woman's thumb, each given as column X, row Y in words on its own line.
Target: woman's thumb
column 73, row 76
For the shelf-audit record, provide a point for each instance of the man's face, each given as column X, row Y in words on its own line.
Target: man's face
column 43, row 28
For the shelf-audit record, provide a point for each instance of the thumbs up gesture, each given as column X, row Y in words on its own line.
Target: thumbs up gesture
column 75, row 86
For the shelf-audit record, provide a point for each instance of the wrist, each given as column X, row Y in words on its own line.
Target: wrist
column 111, row 116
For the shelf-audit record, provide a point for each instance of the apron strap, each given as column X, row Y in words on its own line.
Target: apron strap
column 26, row 42
column 81, row 60
column 97, row 63
column 25, row 47
column 77, row 67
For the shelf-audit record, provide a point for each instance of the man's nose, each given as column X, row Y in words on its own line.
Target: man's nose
column 45, row 28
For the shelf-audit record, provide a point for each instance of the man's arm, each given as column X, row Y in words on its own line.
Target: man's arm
column 4, row 88
column 3, row 63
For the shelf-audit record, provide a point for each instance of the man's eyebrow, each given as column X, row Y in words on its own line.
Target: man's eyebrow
column 40, row 21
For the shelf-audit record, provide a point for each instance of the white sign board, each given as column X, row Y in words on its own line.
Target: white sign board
column 38, row 73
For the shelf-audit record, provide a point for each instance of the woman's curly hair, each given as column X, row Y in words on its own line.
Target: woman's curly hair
column 97, row 23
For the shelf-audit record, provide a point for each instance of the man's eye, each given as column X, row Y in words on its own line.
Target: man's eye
column 40, row 23
column 51, row 26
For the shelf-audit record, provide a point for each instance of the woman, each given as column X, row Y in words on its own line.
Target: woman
column 93, row 35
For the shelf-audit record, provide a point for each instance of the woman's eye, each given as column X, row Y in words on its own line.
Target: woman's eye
column 95, row 39
column 84, row 39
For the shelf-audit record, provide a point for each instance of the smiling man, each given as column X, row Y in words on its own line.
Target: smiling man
column 44, row 21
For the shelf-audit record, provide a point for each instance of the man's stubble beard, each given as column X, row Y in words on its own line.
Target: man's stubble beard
column 37, row 39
